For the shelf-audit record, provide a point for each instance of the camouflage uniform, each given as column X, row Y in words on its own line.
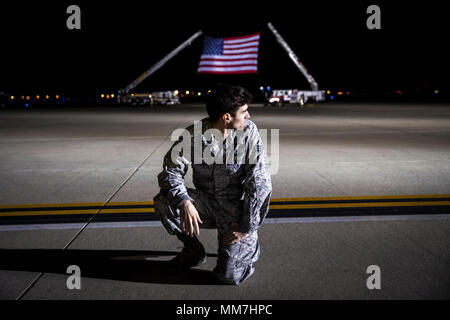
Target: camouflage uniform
column 225, row 193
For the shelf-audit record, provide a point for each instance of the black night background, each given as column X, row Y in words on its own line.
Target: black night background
column 120, row 40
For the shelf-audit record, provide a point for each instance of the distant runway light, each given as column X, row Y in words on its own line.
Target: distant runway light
column 331, row 97
column 57, row 96
column 12, row 97
column 22, row 97
column 112, row 95
column 176, row 92
column 436, row 91
column 107, row 96
column 328, row 91
column 187, row 91
column 102, row 95
column 199, row 93
column 37, row 97
column 26, row 105
column 28, row 97
column 46, row 97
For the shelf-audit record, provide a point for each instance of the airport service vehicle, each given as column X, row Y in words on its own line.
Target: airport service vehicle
column 163, row 97
column 295, row 96
column 166, row 98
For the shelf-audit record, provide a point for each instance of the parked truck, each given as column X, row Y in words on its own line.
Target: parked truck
column 153, row 98
column 295, row 96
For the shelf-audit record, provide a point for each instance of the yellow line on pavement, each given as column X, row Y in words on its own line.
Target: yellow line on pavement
column 71, row 212
column 151, row 203
column 128, row 210
column 89, row 204
column 356, row 205
column 45, row 213
column 52, row 205
column 421, row 196
column 277, row 203
column 143, row 203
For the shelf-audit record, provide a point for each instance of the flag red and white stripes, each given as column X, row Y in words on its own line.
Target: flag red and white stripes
column 230, row 55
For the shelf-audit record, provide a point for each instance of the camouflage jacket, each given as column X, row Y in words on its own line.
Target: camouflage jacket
column 240, row 185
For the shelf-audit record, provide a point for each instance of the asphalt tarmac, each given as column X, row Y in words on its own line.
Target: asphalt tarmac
column 354, row 185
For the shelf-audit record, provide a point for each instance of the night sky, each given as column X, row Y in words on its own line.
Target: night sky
column 120, row 40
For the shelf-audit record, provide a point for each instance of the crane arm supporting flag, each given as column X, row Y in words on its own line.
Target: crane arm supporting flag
column 160, row 63
column 294, row 58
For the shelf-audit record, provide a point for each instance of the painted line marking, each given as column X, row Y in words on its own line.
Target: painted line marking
column 131, row 208
column 146, row 224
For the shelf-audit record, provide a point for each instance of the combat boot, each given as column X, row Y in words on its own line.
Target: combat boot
column 193, row 254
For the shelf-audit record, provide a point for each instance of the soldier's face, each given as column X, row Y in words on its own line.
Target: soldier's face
column 239, row 119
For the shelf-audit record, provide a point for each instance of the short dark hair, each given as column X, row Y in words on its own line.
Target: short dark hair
column 226, row 98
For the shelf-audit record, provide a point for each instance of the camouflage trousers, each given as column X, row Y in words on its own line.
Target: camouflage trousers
column 235, row 261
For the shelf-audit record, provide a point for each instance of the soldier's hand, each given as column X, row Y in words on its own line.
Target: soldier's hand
column 189, row 218
column 233, row 235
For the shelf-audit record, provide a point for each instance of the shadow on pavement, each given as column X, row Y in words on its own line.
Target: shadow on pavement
column 122, row 265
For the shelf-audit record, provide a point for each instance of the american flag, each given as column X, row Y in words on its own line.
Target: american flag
column 230, row 55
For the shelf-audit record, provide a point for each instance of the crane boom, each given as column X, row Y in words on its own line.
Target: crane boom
column 160, row 63
column 294, row 58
